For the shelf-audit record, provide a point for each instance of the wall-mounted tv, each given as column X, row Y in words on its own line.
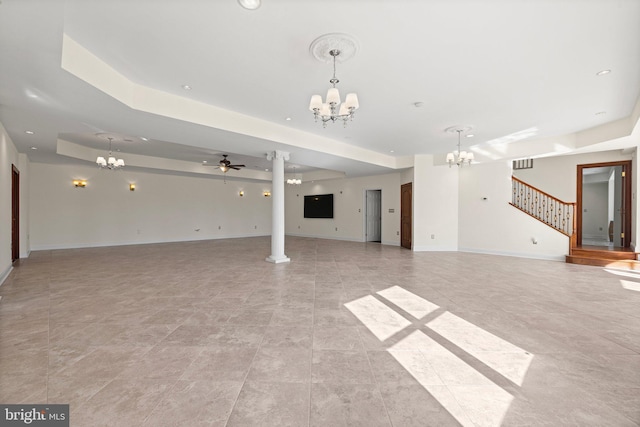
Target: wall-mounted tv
column 318, row 206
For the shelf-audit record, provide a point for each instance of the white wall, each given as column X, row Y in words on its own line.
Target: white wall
column 595, row 201
column 163, row 208
column 493, row 226
column 488, row 224
column 24, row 166
column 348, row 222
column 435, row 206
column 9, row 156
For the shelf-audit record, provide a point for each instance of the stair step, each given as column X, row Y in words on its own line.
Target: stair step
column 604, row 254
column 628, row 264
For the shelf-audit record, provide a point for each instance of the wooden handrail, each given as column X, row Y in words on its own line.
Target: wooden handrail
column 540, row 191
column 557, row 214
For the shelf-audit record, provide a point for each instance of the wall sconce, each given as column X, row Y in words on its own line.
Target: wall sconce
column 79, row 183
column 132, row 187
column 267, row 194
column 241, row 194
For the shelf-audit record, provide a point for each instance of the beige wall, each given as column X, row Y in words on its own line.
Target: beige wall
column 9, row 156
column 349, row 208
column 163, row 208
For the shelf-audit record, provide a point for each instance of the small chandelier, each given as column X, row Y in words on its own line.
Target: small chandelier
column 459, row 157
column 329, row 111
column 111, row 162
column 294, row 180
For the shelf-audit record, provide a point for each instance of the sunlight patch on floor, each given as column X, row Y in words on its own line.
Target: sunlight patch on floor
column 632, row 286
column 508, row 360
column 468, row 395
column 381, row 320
column 413, row 304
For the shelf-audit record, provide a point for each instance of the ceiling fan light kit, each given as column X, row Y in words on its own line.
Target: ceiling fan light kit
column 224, row 165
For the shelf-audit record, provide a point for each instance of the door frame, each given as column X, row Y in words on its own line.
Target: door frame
column 626, row 199
column 15, row 213
column 367, row 213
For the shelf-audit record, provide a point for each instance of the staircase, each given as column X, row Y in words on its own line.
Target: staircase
column 604, row 257
column 560, row 216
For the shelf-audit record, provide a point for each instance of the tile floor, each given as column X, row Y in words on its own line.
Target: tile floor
column 349, row 334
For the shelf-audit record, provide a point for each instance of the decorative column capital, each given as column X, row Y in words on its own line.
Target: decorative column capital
column 278, row 154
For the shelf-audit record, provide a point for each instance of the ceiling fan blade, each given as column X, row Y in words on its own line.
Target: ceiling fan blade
column 237, row 166
column 233, row 167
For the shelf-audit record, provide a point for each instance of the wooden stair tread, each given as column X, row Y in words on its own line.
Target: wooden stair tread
column 604, row 257
column 604, row 254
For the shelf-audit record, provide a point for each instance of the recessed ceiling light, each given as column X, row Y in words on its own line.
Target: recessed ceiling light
column 250, row 4
column 470, row 135
column 600, row 113
column 204, row 161
column 603, row 72
column 186, row 87
column 34, row 148
column 288, row 119
column 143, row 138
column 266, row 170
column 391, row 151
column 29, row 132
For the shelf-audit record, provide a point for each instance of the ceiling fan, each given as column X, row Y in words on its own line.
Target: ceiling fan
column 225, row 164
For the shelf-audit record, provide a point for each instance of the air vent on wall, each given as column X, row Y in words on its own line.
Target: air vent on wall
column 522, row 164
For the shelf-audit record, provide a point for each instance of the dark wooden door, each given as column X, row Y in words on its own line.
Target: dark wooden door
column 405, row 215
column 15, row 214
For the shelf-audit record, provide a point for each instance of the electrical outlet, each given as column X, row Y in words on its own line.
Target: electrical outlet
column 433, row 236
column 397, row 233
column 336, row 228
column 219, row 227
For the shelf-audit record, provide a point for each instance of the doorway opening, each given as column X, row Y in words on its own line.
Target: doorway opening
column 373, row 214
column 603, row 205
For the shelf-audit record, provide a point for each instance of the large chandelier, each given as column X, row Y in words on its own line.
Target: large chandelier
column 111, row 162
column 333, row 110
column 459, row 157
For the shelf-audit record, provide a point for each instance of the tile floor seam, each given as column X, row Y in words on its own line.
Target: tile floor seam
column 377, row 383
column 244, row 381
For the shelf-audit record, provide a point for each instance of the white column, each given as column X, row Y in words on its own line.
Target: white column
column 277, row 207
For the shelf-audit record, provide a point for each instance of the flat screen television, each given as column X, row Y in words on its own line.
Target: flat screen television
column 318, row 206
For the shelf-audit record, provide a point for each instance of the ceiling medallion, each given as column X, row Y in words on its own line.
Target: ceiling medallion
column 321, row 47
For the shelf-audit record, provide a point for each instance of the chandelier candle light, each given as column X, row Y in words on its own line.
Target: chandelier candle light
column 459, row 157
column 333, row 110
column 112, row 163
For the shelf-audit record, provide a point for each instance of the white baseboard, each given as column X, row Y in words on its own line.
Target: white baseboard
column 310, row 236
column 434, row 248
column 515, row 254
column 5, row 274
column 52, row 247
